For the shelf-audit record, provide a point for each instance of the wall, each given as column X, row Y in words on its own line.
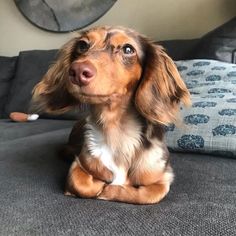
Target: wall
column 159, row 19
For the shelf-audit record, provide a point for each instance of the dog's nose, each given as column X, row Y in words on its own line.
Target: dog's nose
column 82, row 73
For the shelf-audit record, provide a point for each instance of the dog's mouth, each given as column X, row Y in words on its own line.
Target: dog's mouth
column 95, row 95
column 98, row 98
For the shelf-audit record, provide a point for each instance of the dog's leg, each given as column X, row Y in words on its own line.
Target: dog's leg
column 81, row 183
column 143, row 194
column 149, row 194
column 96, row 168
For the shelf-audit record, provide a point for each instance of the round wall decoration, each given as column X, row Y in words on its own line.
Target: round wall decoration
column 63, row 15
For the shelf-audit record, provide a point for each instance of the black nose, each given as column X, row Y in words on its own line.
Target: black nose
column 82, row 73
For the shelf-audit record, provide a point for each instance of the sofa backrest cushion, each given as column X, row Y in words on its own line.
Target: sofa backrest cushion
column 180, row 49
column 7, row 70
column 30, row 68
column 219, row 44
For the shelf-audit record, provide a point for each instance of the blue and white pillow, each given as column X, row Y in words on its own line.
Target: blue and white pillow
column 210, row 124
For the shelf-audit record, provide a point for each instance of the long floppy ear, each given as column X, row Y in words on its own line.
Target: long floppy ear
column 52, row 93
column 161, row 89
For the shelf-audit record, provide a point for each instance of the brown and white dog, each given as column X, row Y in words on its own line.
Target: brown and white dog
column 134, row 90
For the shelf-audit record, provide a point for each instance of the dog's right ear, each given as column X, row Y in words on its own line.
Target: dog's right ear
column 51, row 94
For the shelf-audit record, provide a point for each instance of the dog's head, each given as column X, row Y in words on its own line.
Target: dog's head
column 106, row 64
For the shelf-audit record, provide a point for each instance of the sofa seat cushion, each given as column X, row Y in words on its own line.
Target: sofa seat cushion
column 12, row 130
column 210, row 124
column 201, row 200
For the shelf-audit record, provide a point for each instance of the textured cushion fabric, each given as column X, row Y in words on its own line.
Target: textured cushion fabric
column 7, row 70
column 201, row 200
column 219, row 44
column 31, row 67
column 210, row 124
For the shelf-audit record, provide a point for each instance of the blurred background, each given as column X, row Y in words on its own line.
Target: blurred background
column 158, row 19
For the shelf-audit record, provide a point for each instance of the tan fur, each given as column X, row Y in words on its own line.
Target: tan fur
column 164, row 80
column 96, row 168
column 121, row 155
column 148, row 194
column 80, row 181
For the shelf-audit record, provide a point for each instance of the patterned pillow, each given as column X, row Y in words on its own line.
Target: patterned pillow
column 210, row 124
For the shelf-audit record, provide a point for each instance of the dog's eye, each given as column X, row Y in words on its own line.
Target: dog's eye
column 82, row 46
column 128, row 49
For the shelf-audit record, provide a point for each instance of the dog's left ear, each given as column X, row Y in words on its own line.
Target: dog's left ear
column 161, row 89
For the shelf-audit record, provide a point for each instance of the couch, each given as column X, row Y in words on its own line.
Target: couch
column 201, row 200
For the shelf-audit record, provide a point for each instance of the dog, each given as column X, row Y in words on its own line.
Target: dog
column 134, row 90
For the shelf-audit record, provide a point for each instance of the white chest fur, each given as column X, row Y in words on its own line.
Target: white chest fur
column 99, row 147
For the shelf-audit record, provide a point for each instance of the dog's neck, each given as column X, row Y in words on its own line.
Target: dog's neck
column 118, row 125
column 113, row 114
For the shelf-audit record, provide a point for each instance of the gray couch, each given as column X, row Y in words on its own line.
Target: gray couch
column 202, row 199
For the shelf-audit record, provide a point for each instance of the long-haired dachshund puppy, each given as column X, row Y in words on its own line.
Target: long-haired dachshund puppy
column 134, row 90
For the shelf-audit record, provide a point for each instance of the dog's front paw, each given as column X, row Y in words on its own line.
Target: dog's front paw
column 110, row 192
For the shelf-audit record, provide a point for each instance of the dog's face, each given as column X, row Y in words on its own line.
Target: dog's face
column 105, row 65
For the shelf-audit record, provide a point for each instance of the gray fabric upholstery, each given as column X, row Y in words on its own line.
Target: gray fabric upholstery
column 13, row 130
column 31, row 66
column 180, row 49
column 201, row 201
column 219, row 44
column 7, row 70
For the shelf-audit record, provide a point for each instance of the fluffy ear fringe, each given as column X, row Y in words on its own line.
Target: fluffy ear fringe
column 161, row 90
column 56, row 101
column 51, row 94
